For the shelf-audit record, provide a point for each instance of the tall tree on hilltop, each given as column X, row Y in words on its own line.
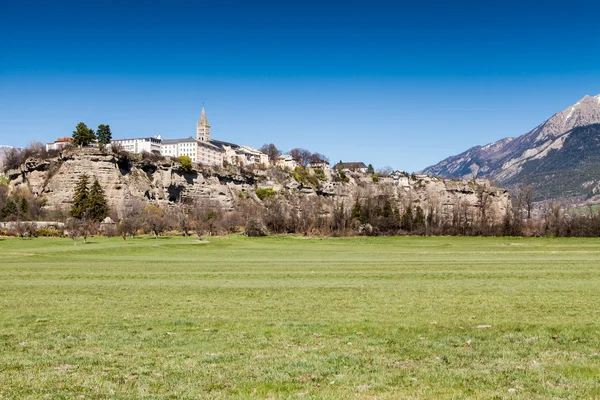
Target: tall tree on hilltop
column 80, row 199
column 97, row 209
column 82, row 135
column 104, row 135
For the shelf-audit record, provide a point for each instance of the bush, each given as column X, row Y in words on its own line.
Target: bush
column 255, row 228
column 320, row 174
column 49, row 231
column 152, row 157
column 265, row 193
column 302, row 176
column 186, row 163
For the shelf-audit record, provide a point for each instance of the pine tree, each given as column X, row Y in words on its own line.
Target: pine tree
column 9, row 209
column 97, row 209
column 356, row 210
column 82, row 135
column 24, row 207
column 80, row 199
column 104, row 135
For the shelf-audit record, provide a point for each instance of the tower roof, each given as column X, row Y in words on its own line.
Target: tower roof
column 203, row 120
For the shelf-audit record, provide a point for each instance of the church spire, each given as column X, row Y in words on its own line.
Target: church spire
column 203, row 127
column 203, row 120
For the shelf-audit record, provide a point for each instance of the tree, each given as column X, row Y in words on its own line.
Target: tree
column 23, row 208
column 80, row 199
column 356, row 211
column 271, row 150
column 104, row 135
column 123, row 229
column 133, row 217
column 75, row 229
column 301, row 156
column 186, row 163
column 318, row 157
column 370, row 169
column 96, row 206
column 82, row 135
column 206, row 216
column 9, row 209
column 154, row 219
column 528, row 199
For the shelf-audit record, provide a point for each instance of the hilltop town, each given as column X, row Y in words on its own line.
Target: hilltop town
column 280, row 193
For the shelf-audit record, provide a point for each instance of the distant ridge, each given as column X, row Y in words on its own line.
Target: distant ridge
column 559, row 158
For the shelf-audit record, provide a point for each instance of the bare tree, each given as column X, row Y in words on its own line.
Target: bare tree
column 154, row 219
column 132, row 216
column 206, row 216
column 271, row 150
column 527, row 194
column 75, row 229
column 301, row 156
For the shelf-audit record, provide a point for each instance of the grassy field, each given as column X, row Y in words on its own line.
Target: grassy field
column 290, row 317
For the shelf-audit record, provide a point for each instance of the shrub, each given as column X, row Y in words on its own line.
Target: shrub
column 302, row 176
column 264, row 193
column 48, row 231
column 320, row 174
column 152, row 157
column 186, row 163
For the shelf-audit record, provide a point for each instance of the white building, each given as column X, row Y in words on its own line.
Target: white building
column 286, row 161
column 139, row 145
column 322, row 164
column 59, row 144
column 200, row 149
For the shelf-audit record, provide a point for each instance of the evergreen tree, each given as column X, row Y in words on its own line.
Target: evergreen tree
column 406, row 221
column 419, row 221
column 388, row 210
column 9, row 209
column 80, row 199
column 82, row 135
column 24, row 207
column 370, row 169
column 356, row 210
column 96, row 208
column 104, row 135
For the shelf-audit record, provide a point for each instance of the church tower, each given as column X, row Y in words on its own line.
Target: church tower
column 203, row 128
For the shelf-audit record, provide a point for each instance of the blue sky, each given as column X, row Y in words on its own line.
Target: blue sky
column 389, row 83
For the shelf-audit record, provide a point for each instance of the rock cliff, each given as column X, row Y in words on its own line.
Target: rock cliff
column 164, row 182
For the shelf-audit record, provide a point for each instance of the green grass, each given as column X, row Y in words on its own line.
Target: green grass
column 290, row 317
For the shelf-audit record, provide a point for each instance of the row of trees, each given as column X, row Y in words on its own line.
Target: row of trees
column 302, row 156
column 84, row 136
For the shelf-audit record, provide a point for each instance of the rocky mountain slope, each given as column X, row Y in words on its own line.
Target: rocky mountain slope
column 164, row 182
column 563, row 146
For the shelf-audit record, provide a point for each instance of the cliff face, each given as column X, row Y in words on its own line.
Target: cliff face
column 165, row 183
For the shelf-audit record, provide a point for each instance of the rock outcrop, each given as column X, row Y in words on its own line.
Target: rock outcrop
column 165, row 182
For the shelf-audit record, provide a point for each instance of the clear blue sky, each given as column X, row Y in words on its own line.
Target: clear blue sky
column 396, row 83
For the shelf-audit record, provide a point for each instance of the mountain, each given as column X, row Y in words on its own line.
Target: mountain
column 560, row 157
